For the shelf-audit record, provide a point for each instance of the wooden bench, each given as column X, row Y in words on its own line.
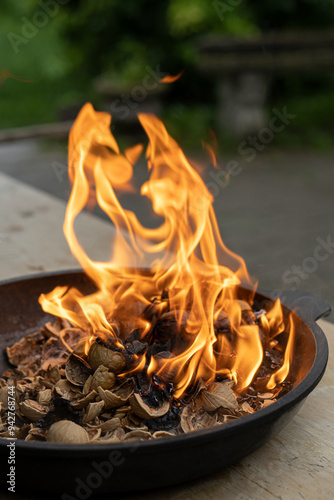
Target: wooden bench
column 244, row 68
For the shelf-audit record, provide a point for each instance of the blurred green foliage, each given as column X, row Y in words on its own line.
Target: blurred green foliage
column 82, row 40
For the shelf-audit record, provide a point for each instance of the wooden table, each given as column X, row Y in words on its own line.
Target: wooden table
column 298, row 463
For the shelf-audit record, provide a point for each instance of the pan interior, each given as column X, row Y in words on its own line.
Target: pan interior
column 21, row 314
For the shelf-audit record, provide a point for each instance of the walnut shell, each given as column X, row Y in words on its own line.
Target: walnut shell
column 99, row 355
column 145, row 411
column 219, row 395
column 44, row 397
column 137, row 436
column 93, row 411
column 83, row 402
column 102, row 378
column 66, row 431
column 66, row 390
column 32, row 410
column 119, row 397
column 77, row 370
column 244, row 306
column 196, row 420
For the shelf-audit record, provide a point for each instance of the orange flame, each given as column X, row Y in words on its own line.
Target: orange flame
column 186, row 254
column 280, row 375
column 171, row 78
column 4, row 75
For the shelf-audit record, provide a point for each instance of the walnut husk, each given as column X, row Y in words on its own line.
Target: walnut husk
column 219, row 395
column 100, row 355
column 76, row 370
column 119, row 397
column 66, row 431
column 145, row 411
column 103, row 379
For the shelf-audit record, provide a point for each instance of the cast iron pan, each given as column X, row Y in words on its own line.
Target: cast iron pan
column 82, row 470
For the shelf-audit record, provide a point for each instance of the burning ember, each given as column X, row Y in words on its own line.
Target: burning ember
column 154, row 352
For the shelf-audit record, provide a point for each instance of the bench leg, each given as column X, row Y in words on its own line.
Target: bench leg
column 241, row 101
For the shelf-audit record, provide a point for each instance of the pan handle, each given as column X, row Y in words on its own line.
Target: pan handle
column 304, row 304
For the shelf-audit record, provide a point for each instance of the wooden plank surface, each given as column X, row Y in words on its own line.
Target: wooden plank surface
column 298, row 463
column 46, row 130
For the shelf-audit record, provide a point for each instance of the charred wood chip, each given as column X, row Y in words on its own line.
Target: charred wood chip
column 170, row 420
column 134, row 335
column 284, row 388
column 260, row 383
column 136, row 347
column 271, row 360
column 169, row 325
column 155, row 397
column 142, row 382
column 160, row 348
column 47, row 421
column 248, row 317
column 222, row 323
column 62, row 410
column 251, row 391
column 167, row 389
column 154, row 310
